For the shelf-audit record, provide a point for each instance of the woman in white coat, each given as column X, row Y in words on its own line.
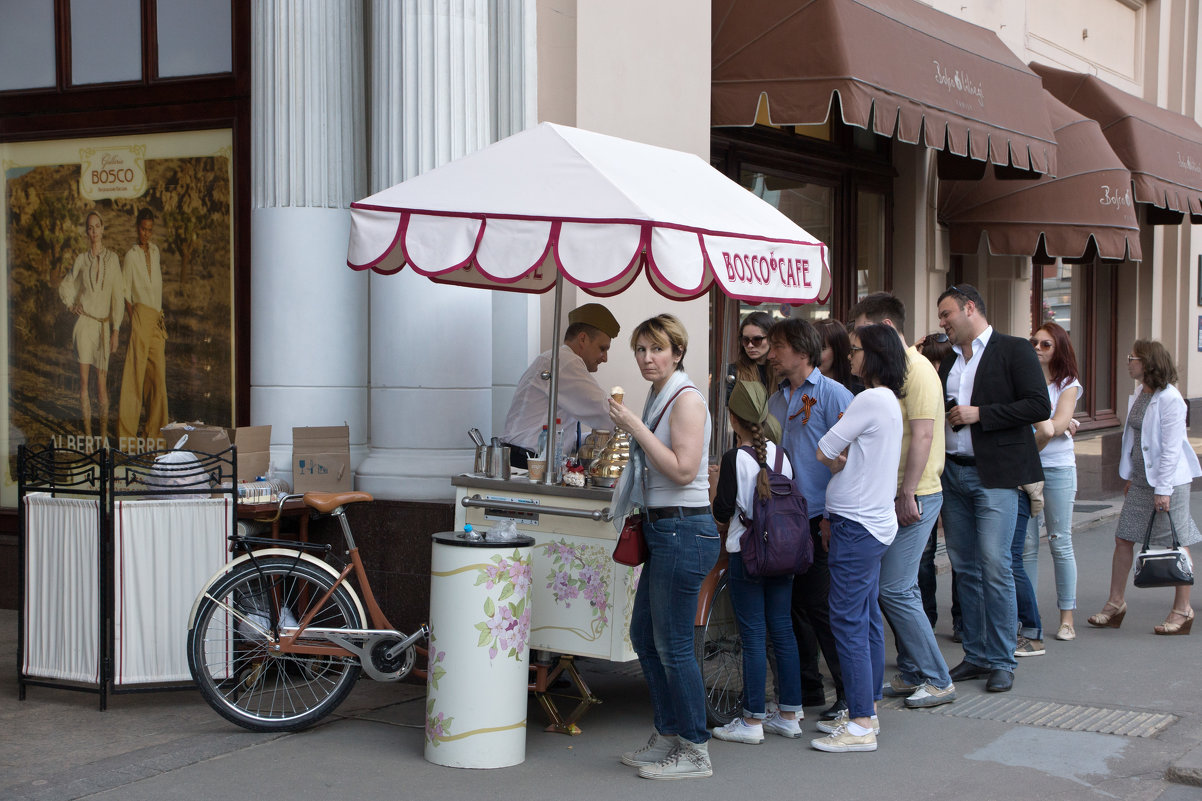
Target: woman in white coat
column 1159, row 465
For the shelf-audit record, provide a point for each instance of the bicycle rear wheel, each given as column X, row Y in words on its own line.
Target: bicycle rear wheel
column 719, row 651
column 228, row 654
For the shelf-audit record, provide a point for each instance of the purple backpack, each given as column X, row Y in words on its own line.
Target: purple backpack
column 777, row 539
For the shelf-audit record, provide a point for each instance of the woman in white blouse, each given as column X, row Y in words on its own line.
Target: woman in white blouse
column 862, row 450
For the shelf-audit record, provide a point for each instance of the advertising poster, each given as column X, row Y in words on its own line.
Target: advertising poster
column 118, row 267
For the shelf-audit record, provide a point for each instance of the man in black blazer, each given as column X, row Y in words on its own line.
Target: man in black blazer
column 994, row 392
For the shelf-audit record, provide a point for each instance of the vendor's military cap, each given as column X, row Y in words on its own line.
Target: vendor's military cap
column 597, row 316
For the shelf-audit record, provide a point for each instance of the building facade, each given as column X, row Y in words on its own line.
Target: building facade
column 327, row 101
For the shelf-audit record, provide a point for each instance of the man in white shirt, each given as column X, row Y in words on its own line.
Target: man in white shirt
column 591, row 328
column 144, row 382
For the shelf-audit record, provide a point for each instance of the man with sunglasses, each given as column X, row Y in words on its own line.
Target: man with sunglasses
column 994, row 391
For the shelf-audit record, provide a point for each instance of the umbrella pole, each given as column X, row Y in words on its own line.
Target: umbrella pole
column 553, row 391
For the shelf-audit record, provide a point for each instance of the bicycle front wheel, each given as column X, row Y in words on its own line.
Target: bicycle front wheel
column 228, row 654
column 719, row 652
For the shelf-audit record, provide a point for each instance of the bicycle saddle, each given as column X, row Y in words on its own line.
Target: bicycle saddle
column 326, row 502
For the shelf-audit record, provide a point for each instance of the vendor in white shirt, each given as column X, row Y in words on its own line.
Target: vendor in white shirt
column 585, row 347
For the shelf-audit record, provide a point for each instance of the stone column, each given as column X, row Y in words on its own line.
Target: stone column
column 431, row 345
column 309, row 321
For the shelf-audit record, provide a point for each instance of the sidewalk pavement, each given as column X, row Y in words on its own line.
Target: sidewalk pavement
column 1044, row 739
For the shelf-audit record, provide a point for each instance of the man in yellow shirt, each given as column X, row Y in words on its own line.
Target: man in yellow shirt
column 923, row 675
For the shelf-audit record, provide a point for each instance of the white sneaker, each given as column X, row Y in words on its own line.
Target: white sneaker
column 687, row 761
column 830, row 726
column 842, row 740
column 783, row 726
column 737, row 731
column 657, row 747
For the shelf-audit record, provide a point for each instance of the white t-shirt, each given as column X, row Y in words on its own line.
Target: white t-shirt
column 580, row 399
column 864, row 489
column 1059, row 450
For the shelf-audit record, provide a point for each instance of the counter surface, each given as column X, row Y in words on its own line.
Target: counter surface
column 526, row 486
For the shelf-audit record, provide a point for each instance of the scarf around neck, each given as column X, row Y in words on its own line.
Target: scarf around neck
column 628, row 494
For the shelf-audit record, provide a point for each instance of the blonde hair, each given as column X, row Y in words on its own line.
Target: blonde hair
column 759, row 444
column 663, row 329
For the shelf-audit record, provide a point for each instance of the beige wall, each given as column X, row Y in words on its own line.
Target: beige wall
column 613, row 67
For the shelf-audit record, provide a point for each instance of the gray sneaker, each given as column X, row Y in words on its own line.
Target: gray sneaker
column 929, row 695
column 898, row 687
column 657, row 747
column 1029, row 647
column 687, row 761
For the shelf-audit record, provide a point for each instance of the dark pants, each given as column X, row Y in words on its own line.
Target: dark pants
column 927, row 583
column 811, row 610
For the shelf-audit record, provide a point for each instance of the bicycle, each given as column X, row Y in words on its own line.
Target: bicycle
column 278, row 637
column 718, row 647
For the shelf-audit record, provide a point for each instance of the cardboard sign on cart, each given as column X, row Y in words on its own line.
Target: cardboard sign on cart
column 321, row 459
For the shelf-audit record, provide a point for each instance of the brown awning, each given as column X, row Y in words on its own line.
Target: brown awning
column 1085, row 210
column 1161, row 148
column 898, row 67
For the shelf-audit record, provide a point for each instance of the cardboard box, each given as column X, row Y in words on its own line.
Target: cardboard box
column 254, row 451
column 321, row 459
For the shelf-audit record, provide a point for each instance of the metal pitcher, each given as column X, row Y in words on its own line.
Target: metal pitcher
column 498, row 462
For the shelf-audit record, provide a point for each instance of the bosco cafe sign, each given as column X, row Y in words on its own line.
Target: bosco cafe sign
column 789, row 272
column 109, row 172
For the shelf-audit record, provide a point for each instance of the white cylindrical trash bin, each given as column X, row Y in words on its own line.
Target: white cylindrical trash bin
column 479, row 667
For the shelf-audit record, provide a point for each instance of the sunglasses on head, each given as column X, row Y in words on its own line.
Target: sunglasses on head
column 940, row 337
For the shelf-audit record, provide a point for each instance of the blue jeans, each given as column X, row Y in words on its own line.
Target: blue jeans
column 978, row 525
column 1029, row 623
column 762, row 606
column 918, row 655
column 1059, row 493
column 682, row 550
column 855, row 565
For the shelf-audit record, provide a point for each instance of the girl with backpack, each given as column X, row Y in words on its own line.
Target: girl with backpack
column 761, row 604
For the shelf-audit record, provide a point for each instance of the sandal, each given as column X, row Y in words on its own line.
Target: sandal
column 1177, row 628
column 1109, row 620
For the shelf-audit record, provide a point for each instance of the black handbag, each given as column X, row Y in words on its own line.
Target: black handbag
column 1163, row 567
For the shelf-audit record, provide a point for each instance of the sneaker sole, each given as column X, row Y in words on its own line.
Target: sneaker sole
column 726, row 738
column 839, row 749
column 1040, row 652
column 698, row 774
column 930, row 701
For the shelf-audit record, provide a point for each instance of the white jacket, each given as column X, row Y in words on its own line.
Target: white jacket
column 1168, row 458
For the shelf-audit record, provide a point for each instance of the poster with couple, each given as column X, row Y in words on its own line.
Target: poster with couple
column 118, row 256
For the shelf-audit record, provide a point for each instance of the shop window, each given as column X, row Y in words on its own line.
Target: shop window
column 106, row 41
column 27, row 49
column 871, row 256
column 193, row 37
column 1082, row 299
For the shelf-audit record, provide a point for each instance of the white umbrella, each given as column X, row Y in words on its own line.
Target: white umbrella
column 554, row 203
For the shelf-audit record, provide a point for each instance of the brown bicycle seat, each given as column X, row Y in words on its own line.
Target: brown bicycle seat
column 326, row 502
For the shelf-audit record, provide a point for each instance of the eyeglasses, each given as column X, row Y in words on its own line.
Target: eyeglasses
column 1134, row 359
column 754, row 341
column 1043, row 344
column 855, row 348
